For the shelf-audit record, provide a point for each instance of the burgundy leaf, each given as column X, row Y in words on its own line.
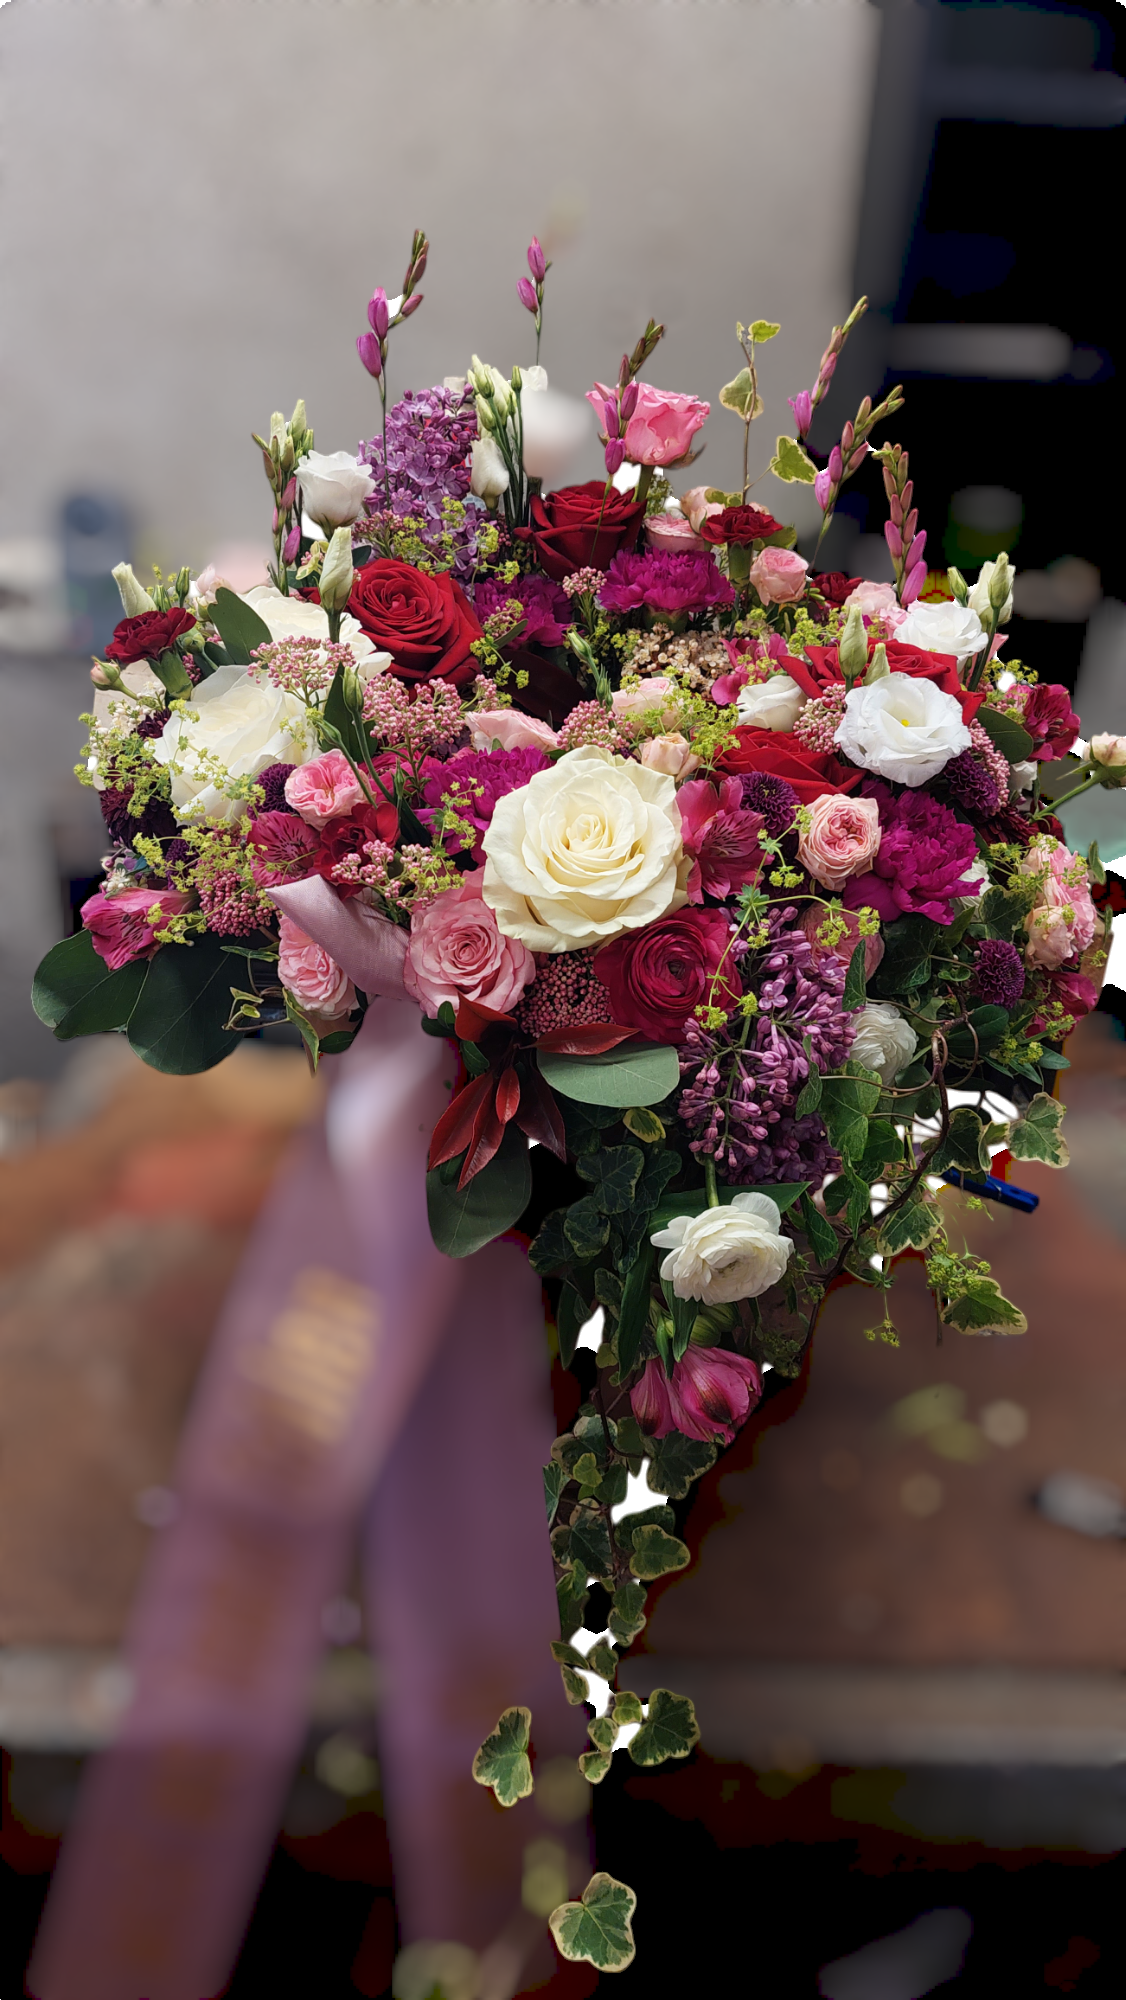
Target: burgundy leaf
column 508, row 1095
column 592, row 1040
column 539, row 1116
column 473, row 1019
column 454, row 1129
column 488, row 1131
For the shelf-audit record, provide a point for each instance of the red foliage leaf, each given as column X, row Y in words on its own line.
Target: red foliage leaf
column 473, row 1019
column 539, row 1116
column 454, row 1130
column 508, row 1095
column 488, row 1131
column 592, row 1040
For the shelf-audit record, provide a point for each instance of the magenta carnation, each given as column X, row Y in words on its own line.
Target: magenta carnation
column 673, row 585
column 547, row 607
column 923, row 866
column 472, row 782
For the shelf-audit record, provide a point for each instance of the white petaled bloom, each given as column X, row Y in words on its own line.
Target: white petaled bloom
column 978, row 874
column 334, row 486
column 293, row 618
column 488, row 477
column 584, row 851
column 902, row 728
column 979, row 595
column 1022, row 776
column 134, row 597
column 772, row 704
column 237, row 724
column 883, row 1041
column 728, row 1253
column 943, row 628
column 1108, row 750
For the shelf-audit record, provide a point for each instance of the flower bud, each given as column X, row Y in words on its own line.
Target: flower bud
column 352, row 691
column 278, row 428
column 410, row 305
column 292, row 543
column 537, row 263
column 802, row 407
column 959, row 586
column 1001, row 585
column 517, row 380
column 913, row 584
column 336, row 573
column 526, row 293
column 878, row 668
column 627, row 402
column 379, row 319
column 822, row 487
column 852, row 647
column 893, row 538
column 104, row 675
column 367, row 347
column 836, row 465
column 134, row 597
column 711, row 1323
column 915, row 552
column 615, row 456
column 1109, row 750
column 488, row 477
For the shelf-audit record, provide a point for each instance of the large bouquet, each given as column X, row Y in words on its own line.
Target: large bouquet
column 730, row 879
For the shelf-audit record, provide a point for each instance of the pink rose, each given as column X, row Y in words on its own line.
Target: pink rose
column 779, row 575
column 672, row 533
column 646, row 696
column 878, row 600
column 811, row 921
column 120, row 927
column 511, row 729
column 697, row 506
column 1064, row 921
column 843, row 839
column 663, row 424
column 324, row 789
column 317, row 983
column 457, row 953
column 671, row 754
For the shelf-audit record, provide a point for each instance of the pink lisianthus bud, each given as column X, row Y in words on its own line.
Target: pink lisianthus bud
column 822, row 487
column 827, row 369
column 379, row 318
column 277, row 520
column 915, row 552
column 615, row 456
column 802, row 407
column 289, row 496
column 893, row 538
column 537, row 262
column 836, row 465
column 411, row 305
column 367, row 347
column 526, row 292
column 913, row 584
column 711, row 1394
column 292, row 543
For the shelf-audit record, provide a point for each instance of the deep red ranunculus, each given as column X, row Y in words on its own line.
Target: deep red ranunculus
column 1050, row 720
column 658, row 976
column 821, row 670
column 739, row 526
column 581, row 527
column 426, row 623
column 147, row 636
column 810, row 772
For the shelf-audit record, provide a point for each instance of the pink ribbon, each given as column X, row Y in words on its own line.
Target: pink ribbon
column 369, row 948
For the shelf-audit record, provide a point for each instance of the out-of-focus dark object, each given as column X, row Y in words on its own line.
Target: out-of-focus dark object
column 906, row 1964
column 95, row 535
column 1089, row 1506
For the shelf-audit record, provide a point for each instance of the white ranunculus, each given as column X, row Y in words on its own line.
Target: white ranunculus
column 772, row 704
column 979, row 595
column 584, row 851
column 943, row 628
column 902, row 728
column 488, row 477
column 238, row 725
column 884, row 1041
column 334, row 486
column 293, row 618
column 728, row 1253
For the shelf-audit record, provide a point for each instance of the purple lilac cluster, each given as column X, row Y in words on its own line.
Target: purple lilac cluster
column 471, row 783
column 738, row 1101
column 546, row 606
column 673, row 586
column 430, row 435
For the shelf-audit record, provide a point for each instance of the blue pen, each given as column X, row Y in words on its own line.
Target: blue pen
column 991, row 1189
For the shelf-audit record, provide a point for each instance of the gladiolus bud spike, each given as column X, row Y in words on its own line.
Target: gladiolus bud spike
column 915, row 552
column 913, row 584
column 858, row 457
column 909, row 525
column 292, row 543
column 289, row 496
column 537, row 263
column 627, row 402
column 893, row 539
column 367, row 347
column 822, row 486
column 908, row 490
column 625, row 373
column 379, row 319
column 836, row 465
column 848, row 438
column 802, row 407
column 411, row 305
column 526, row 292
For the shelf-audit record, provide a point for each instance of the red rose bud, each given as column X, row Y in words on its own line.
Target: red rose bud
column 836, row 465
column 367, row 347
column 411, row 305
column 893, row 538
column 526, row 292
column 537, row 263
column 379, row 319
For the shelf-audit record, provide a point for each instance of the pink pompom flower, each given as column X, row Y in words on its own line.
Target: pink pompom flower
column 842, row 839
column 779, row 575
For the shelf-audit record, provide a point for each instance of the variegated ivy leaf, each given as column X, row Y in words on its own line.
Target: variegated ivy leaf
column 740, row 396
column 594, row 1765
column 791, row 463
column 603, row 1731
column 574, row 1685
column 602, row 1660
column 1037, row 1136
column 627, row 1707
column 911, row 1227
column 763, row 329
column 598, row 1928
column 502, row 1763
column 670, row 1729
column 983, row 1308
column 655, row 1553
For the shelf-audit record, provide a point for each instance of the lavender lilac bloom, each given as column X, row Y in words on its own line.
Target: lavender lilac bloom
column 673, row 585
column 738, row 1097
column 430, row 436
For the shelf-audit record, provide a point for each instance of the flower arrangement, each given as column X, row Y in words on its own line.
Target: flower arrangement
column 730, row 880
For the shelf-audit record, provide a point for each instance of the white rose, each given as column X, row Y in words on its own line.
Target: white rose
column 334, row 486
column 979, row 595
column 293, row 618
column 584, row 851
column 884, row 1041
column 1109, row 750
column 238, row 726
column 943, row 628
column 772, row 704
column 728, row 1253
column 488, row 477
column 902, row 728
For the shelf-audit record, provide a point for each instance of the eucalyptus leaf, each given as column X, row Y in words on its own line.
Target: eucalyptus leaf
column 634, row 1073
column 178, row 1024
column 240, row 627
column 1005, row 733
column 462, row 1221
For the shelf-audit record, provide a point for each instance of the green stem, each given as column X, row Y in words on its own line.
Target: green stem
column 710, row 1184
column 1065, row 798
column 644, row 483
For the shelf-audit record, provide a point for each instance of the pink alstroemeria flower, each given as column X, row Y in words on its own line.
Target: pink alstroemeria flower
column 720, row 835
column 711, row 1394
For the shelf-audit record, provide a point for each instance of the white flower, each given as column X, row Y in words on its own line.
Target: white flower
column 772, row 704
column 488, row 477
column 293, row 618
column 1022, row 776
column 1108, row 750
column 979, row 595
column 728, row 1253
column 943, row 628
column 978, row 874
column 237, row 726
column 554, row 426
column 884, row 1041
column 902, row 728
column 334, row 486
column 584, row 851
column 134, row 597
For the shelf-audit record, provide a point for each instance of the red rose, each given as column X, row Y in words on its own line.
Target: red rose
column 426, row 623
column 147, row 636
column 810, row 772
column 834, row 585
column 658, row 976
column 824, row 671
column 1050, row 720
column 580, row 527
column 738, row 525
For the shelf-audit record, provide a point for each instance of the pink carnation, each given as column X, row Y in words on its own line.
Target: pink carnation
column 320, row 987
column 456, row 952
column 842, row 839
column 120, row 927
column 721, row 837
column 779, row 575
column 324, row 789
column 1063, row 922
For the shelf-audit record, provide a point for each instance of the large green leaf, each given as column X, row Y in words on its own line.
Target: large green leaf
column 239, row 625
column 598, row 1928
column 464, row 1221
column 670, row 1729
column 856, row 979
column 983, row 1308
column 634, row 1314
column 179, row 1022
column 502, row 1762
column 908, row 944
column 1005, row 733
column 822, row 1236
column 636, row 1073
column 1037, row 1136
column 965, row 1144
column 571, row 1316
column 75, row 993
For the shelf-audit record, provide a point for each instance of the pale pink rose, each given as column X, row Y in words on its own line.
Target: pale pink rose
column 811, row 920
column 779, row 575
column 324, row 789
column 843, row 838
column 319, row 986
column 877, row 600
column 1065, row 920
column 647, row 695
column 456, row 952
column 663, row 424
column 672, row 754
column 120, row 927
column 675, row 535
column 697, row 506
column 511, row 729
column 1109, row 750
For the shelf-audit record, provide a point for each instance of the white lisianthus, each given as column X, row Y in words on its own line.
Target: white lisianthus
column 293, row 618
column 943, row 628
column 488, row 477
column 883, row 1041
column 1022, row 776
column 772, row 704
column 334, row 486
column 728, row 1253
column 237, row 725
column 979, row 595
column 902, row 728
column 584, row 851
column 134, row 597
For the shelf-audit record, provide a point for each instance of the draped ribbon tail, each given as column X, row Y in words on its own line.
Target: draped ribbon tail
column 368, row 947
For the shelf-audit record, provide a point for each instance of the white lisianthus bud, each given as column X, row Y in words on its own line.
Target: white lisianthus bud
column 771, row 704
column 883, row 1041
column 134, row 597
column 336, row 573
column 334, row 486
column 1109, row 750
column 728, row 1253
column 958, row 585
column 488, row 477
column 852, row 647
column 993, row 590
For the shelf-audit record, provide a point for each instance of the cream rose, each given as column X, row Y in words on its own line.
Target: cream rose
column 728, row 1253
column 334, row 486
column 237, row 725
column 902, row 728
column 771, row 704
column 584, row 851
column 883, row 1041
column 293, row 618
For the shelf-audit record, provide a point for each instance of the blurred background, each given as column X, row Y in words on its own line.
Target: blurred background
column 909, row 1676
